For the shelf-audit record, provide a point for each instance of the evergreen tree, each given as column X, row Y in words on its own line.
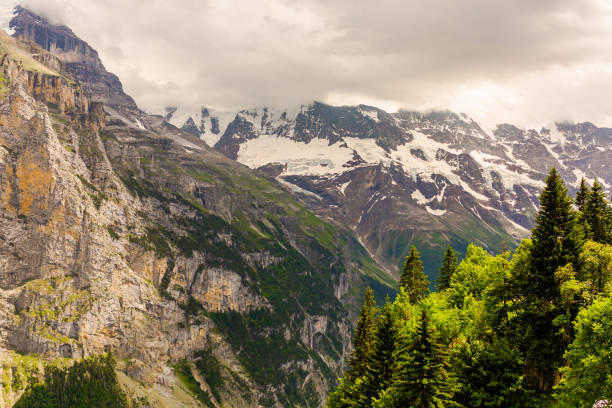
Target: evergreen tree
column 556, row 241
column 449, row 264
column 379, row 372
column 597, row 215
column 422, row 379
column 91, row 382
column 413, row 279
column 582, row 194
column 363, row 339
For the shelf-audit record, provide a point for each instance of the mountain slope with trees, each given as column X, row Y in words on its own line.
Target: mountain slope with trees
column 528, row 328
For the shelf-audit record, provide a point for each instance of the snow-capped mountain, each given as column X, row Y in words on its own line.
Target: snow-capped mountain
column 408, row 178
column 207, row 124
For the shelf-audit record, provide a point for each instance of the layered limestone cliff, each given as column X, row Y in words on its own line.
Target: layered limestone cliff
column 81, row 59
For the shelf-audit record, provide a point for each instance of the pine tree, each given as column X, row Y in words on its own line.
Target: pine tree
column 413, row 279
column 350, row 391
column 597, row 215
column 555, row 243
column 363, row 339
column 379, row 372
column 556, row 240
column 582, row 194
column 422, row 379
column 449, row 264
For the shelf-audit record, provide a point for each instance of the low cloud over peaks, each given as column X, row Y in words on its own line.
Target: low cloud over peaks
column 520, row 61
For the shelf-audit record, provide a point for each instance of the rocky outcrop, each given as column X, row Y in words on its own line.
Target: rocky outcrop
column 81, row 59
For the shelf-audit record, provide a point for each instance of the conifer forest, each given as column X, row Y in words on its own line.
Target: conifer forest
column 523, row 328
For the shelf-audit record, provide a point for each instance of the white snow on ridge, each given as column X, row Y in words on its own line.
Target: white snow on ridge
column 319, row 158
column 343, row 186
column 370, row 113
column 435, row 212
column 419, row 197
column 509, row 178
column 314, row 158
column 181, row 116
column 580, row 174
column 297, row 189
column 139, row 125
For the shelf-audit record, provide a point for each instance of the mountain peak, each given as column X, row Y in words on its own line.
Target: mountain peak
column 81, row 59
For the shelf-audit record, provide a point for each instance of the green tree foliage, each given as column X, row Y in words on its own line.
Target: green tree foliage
column 490, row 374
column 379, row 373
column 363, row 338
column 449, row 264
column 556, row 239
column 421, row 378
column 91, row 382
column 349, row 392
column 587, row 377
column 596, row 260
column 582, row 194
column 413, row 280
column 524, row 329
column 597, row 215
column 555, row 244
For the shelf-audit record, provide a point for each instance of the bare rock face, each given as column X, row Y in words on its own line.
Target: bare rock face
column 79, row 57
column 143, row 242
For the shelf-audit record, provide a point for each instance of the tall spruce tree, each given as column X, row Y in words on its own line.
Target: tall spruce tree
column 597, row 215
column 422, row 378
column 363, row 339
column 556, row 243
column 582, row 194
column 449, row 264
column 556, row 240
column 379, row 372
column 413, row 279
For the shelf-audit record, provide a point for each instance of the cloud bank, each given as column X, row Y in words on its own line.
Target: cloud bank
column 521, row 61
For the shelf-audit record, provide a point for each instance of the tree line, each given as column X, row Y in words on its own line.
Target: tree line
column 528, row 328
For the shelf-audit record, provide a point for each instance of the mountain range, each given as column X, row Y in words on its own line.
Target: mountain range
column 398, row 179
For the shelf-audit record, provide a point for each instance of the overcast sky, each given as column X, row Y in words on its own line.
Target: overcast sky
column 528, row 62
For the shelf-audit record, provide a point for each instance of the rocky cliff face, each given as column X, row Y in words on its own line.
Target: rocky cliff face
column 82, row 60
column 142, row 241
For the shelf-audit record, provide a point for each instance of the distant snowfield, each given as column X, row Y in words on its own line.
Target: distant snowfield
column 314, row 158
column 420, row 157
column 318, row 158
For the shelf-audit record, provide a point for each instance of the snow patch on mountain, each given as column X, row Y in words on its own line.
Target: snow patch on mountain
column 210, row 123
column 438, row 213
column 297, row 189
column 509, row 177
column 314, row 158
column 419, row 197
column 371, row 113
column 342, row 187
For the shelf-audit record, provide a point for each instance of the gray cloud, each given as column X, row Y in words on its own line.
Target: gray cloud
column 521, row 61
